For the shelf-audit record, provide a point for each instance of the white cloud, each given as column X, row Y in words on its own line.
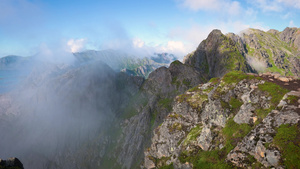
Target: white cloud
column 194, row 34
column 291, row 3
column 76, row 45
column 138, row 43
column 287, row 15
column 175, row 47
column 267, row 5
column 54, row 52
column 232, row 7
column 275, row 5
column 201, row 4
column 291, row 24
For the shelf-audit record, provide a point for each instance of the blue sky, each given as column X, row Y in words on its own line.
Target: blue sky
column 28, row 27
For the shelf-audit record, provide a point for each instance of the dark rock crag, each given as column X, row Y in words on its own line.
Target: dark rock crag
column 11, row 163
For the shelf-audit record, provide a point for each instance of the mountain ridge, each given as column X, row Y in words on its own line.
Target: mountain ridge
column 176, row 117
column 253, row 51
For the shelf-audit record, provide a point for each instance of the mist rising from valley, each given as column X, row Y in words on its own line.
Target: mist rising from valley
column 56, row 109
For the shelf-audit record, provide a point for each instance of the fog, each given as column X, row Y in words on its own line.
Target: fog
column 258, row 65
column 58, row 109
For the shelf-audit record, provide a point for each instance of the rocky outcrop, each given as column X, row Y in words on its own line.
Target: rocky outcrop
column 159, row 89
column 218, row 54
column 11, row 163
column 291, row 36
column 269, row 51
column 251, row 51
column 255, row 142
column 230, row 120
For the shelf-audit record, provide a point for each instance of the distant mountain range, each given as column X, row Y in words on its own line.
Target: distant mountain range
column 120, row 61
column 14, row 69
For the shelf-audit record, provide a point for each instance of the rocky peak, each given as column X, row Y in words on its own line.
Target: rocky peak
column 291, row 36
column 214, row 39
column 251, row 51
column 177, row 77
column 218, row 54
column 273, row 31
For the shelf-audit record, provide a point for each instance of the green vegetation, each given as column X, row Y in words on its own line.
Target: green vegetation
column 193, row 134
column 233, row 59
column 234, row 133
column 174, row 115
column 224, row 105
column 230, row 79
column 183, row 97
column 176, row 62
column 274, row 68
column 235, row 103
column 274, row 90
column 253, row 162
column 208, row 89
column 161, row 162
column 195, row 100
column 174, row 127
column 287, row 139
column 186, row 82
column 194, row 89
column 153, row 117
column 205, row 67
column 215, row 159
column 135, row 102
column 236, row 76
column 176, row 82
column 292, row 99
column 250, row 50
column 214, row 80
column 166, row 103
column 262, row 113
column 107, row 162
column 170, row 166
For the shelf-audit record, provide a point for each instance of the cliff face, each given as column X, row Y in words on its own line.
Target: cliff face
column 217, row 55
column 291, row 36
column 272, row 51
column 157, row 95
column 237, row 120
column 253, row 51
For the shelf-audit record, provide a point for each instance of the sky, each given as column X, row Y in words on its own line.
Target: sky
column 28, row 27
